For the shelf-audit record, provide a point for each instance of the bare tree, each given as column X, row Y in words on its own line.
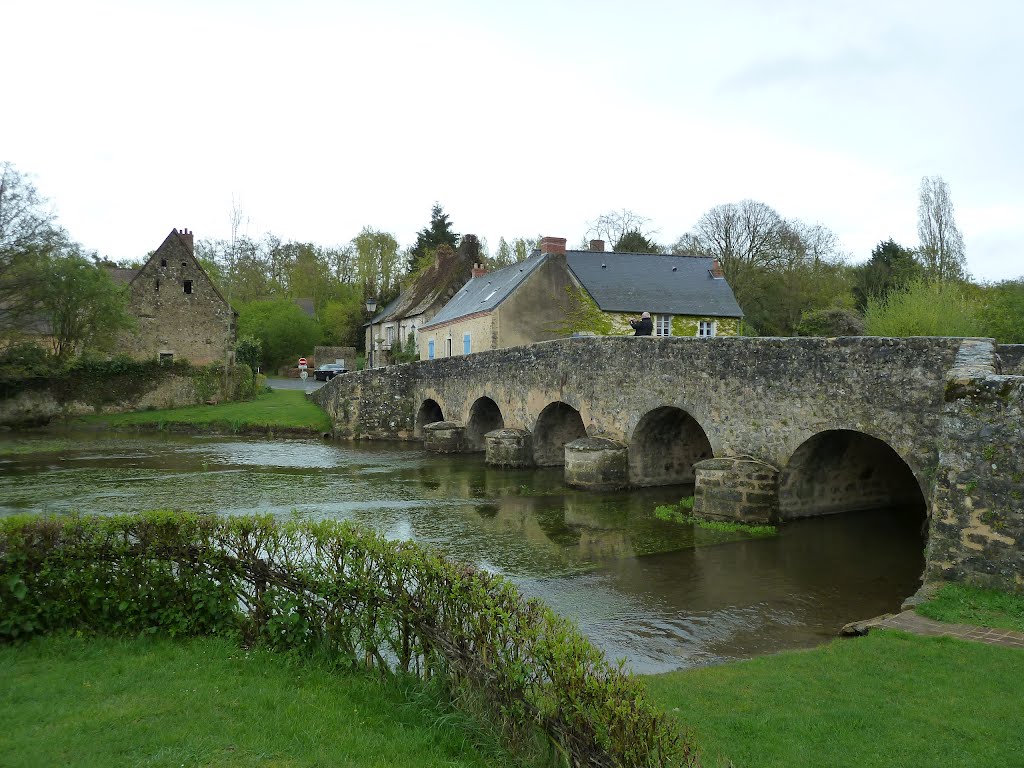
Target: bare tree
column 614, row 225
column 942, row 245
column 744, row 237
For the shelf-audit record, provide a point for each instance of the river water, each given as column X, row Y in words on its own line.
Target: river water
column 661, row 595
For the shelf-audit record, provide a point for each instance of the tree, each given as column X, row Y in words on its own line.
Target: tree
column 85, row 309
column 634, row 241
column 926, row 308
column 284, row 331
column 438, row 232
column 28, row 236
column 376, row 264
column 942, row 245
column 890, row 268
column 509, row 253
column 614, row 225
column 1002, row 311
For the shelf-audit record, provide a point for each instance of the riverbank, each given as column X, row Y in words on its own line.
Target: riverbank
column 276, row 412
column 881, row 701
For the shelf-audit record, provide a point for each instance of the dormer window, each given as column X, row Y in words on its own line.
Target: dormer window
column 188, row 286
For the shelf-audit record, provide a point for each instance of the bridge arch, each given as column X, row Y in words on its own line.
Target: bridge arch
column 842, row 470
column 428, row 413
column 665, row 444
column 559, row 423
column 485, row 416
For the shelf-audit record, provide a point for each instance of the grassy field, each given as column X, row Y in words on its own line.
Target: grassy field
column 157, row 702
column 888, row 699
column 278, row 409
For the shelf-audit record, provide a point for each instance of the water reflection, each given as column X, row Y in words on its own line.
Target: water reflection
column 659, row 594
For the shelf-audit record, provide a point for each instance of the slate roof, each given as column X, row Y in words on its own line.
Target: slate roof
column 656, row 283
column 483, row 294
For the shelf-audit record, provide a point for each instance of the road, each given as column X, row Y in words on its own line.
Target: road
column 309, row 385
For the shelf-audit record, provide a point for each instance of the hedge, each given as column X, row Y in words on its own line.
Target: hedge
column 331, row 589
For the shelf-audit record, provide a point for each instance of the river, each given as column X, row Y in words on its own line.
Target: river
column 659, row 594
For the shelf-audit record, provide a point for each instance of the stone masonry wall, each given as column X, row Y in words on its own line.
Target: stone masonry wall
column 977, row 515
column 1011, row 359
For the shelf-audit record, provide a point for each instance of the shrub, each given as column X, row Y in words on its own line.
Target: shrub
column 332, row 590
column 926, row 308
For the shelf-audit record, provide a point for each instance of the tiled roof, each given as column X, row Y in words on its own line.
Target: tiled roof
column 656, row 283
column 482, row 294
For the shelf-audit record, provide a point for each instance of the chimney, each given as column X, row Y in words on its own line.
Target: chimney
column 597, row 245
column 186, row 235
column 716, row 270
column 552, row 245
column 479, row 270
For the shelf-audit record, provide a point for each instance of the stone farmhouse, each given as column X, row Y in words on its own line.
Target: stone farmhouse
column 422, row 299
column 179, row 311
column 555, row 292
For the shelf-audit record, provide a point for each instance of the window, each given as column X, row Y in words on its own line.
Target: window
column 188, row 286
column 466, row 346
column 706, row 328
column 158, row 285
column 163, row 262
column 663, row 325
column 389, row 332
column 166, row 358
column 430, row 350
column 448, row 346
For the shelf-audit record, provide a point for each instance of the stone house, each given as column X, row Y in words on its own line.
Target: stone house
column 417, row 304
column 556, row 292
column 179, row 311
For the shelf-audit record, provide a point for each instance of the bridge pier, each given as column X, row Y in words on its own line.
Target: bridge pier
column 509, row 448
column 596, row 464
column 737, row 489
column 444, row 437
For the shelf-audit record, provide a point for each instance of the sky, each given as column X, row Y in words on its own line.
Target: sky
column 532, row 118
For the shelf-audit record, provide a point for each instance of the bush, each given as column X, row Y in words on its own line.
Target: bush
column 832, row 322
column 329, row 589
column 926, row 308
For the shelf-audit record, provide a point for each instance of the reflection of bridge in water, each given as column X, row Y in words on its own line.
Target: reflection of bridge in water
column 765, row 428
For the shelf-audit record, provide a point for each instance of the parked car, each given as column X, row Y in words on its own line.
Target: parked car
column 328, row 371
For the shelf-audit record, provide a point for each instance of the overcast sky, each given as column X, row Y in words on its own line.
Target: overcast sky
column 521, row 118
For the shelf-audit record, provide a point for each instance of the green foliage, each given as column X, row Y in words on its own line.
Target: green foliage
column 430, row 238
column 249, row 351
column 634, row 241
column 329, row 590
column 582, row 314
column 284, row 330
column 890, row 268
column 964, row 604
column 682, row 513
column 775, row 300
column 926, row 308
column 1002, row 311
column 407, row 353
column 834, row 321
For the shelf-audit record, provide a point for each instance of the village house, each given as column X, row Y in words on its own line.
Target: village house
column 179, row 311
column 556, row 292
column 391, row 327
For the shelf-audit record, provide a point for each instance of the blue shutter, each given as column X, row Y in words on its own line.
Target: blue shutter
column 430, row 350
column 465, row 344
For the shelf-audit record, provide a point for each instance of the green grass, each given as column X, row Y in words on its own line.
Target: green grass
column 276, row 409
column 108, row 702
column 888, row 699
column 961, row 604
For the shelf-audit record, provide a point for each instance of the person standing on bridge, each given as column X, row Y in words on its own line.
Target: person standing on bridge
column 643, row 326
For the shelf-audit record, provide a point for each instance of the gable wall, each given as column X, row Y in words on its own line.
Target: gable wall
column 193, row 327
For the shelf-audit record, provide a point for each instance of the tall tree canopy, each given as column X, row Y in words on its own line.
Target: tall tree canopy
column 437, row 233
column 890, row 268
column 942, row 244
column 635, row 241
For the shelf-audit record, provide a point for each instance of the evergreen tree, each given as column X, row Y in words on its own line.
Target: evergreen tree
column 890, row 268
column 437, row 233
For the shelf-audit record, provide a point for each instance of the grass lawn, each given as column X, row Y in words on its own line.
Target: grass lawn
column 285, row 409
column 960, row 604
column 888, row 699
column 159, row 702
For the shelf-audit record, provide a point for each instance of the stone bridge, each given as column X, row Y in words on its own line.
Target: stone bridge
column 765, row 428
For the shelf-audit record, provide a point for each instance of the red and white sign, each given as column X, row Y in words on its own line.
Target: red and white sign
column 302, row 362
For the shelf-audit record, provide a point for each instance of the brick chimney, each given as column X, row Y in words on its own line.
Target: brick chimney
column 597, row 245
column 716, row 270
column 552, row 245
column 186, row 235
column 479, row 270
